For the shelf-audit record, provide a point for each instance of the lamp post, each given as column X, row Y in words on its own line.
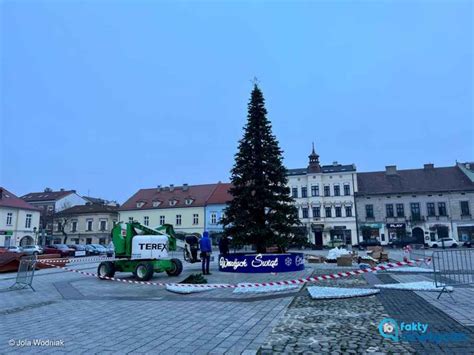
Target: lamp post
column 35, row 231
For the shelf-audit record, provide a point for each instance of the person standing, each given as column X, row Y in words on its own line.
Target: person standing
column 224, row 245
column 206, row 250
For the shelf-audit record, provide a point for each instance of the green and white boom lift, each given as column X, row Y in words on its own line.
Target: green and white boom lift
column 142, row 251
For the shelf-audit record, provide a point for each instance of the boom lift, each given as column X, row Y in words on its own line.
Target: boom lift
column 142, row 250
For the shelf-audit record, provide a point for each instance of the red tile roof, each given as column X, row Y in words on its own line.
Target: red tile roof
column 198, row 194
column 46, row 195
column 7, row 199
column 414, row 181
column 221, row 194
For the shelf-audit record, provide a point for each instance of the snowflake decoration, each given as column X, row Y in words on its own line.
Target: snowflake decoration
column 288, row 261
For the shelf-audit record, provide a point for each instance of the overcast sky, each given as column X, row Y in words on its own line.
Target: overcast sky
column 107, row 97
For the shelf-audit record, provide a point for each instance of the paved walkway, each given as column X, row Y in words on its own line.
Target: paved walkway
column 95, row 316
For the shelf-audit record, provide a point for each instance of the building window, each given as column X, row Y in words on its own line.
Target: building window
column 213, row 218
column 89, row 225
column 140, row 204
column 369, row 211
column 348, row 211
column 465, row 208
column 338, row 212
column 415, row 211
column 400, row 210
column 304, row 192
column 315, row 190
column 59, row 226
column 28, row 221
column 103, row 225
column 74, row 226
column 130, row 219
column 305, row 212
column 317, row 212
column 430, row 209
column 146, row 221
column 442, row 209
column 294, row 192
column 178, row 219
column 156, row 203
column 195, row 218
column 327, row 192
column 347, row 190
column 162, row 220
column 9, row 218
column 337, row 190
column 389, row 210
column 328, row 211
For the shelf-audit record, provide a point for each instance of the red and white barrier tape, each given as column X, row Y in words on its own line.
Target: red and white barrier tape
column 258, row 284
column 74, row 260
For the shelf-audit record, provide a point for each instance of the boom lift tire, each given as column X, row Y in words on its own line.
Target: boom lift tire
column 178, row 268
column 144, row 271
column 106, row 269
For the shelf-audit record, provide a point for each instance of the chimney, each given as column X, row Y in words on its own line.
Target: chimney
column 185, row 187
column 61, row 189
column 171, row 187
column 428, row 166
column 334, row 163
column 158, row 188
column 391, row 170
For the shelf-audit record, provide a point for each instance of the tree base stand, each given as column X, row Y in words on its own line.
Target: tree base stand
column 261, row 263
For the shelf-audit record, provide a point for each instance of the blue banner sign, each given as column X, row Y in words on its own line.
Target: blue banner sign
column 264, row 263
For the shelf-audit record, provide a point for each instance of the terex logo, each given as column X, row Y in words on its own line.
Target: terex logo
column 152, row 246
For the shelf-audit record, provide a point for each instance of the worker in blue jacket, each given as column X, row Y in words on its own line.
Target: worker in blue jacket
column 206, row 250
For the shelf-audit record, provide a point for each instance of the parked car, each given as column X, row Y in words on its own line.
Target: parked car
column 61, row 249
column 401, row 243
column 110, row 249
column 95, row 249
column 447, row 242
column 12, row 249
column 79, row 249
column 32, row 250
column 368, row 243
column 467, row 244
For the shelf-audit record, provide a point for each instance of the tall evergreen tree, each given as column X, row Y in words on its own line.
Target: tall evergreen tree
column 260, row 212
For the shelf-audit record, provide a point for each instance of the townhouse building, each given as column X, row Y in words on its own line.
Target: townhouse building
column 181, row 206
column 85, row 224
column 214, row 210
column 49, row 203
column 324, row 196
column 419, row 204
column 19, row 220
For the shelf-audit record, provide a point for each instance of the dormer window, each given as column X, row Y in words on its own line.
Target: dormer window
column 188, row 201
column 173, row 202
column 156, row 203
column 140, row 204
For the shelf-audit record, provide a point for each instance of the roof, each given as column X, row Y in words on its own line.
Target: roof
column 46, row 195
column 8, row 199
column 90, row 208
column 95, row 200
column 160, row 197
column 441, row 179
column 221, row 194
column 334, row 168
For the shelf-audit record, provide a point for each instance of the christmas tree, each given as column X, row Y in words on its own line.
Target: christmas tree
column 261, row 211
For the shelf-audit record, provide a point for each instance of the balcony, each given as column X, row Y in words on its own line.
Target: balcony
column 417, row 219
column 437, row 218
column 466, row 216
column 395, row 219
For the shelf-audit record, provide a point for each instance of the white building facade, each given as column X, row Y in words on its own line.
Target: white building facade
column 324, row 196
column 19, row 221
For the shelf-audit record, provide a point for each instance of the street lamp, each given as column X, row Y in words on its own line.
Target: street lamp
column 35, row 231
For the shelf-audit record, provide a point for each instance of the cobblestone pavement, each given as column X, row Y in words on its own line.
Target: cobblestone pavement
column 94, row 316
column 408, row 306
column 344, row 326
